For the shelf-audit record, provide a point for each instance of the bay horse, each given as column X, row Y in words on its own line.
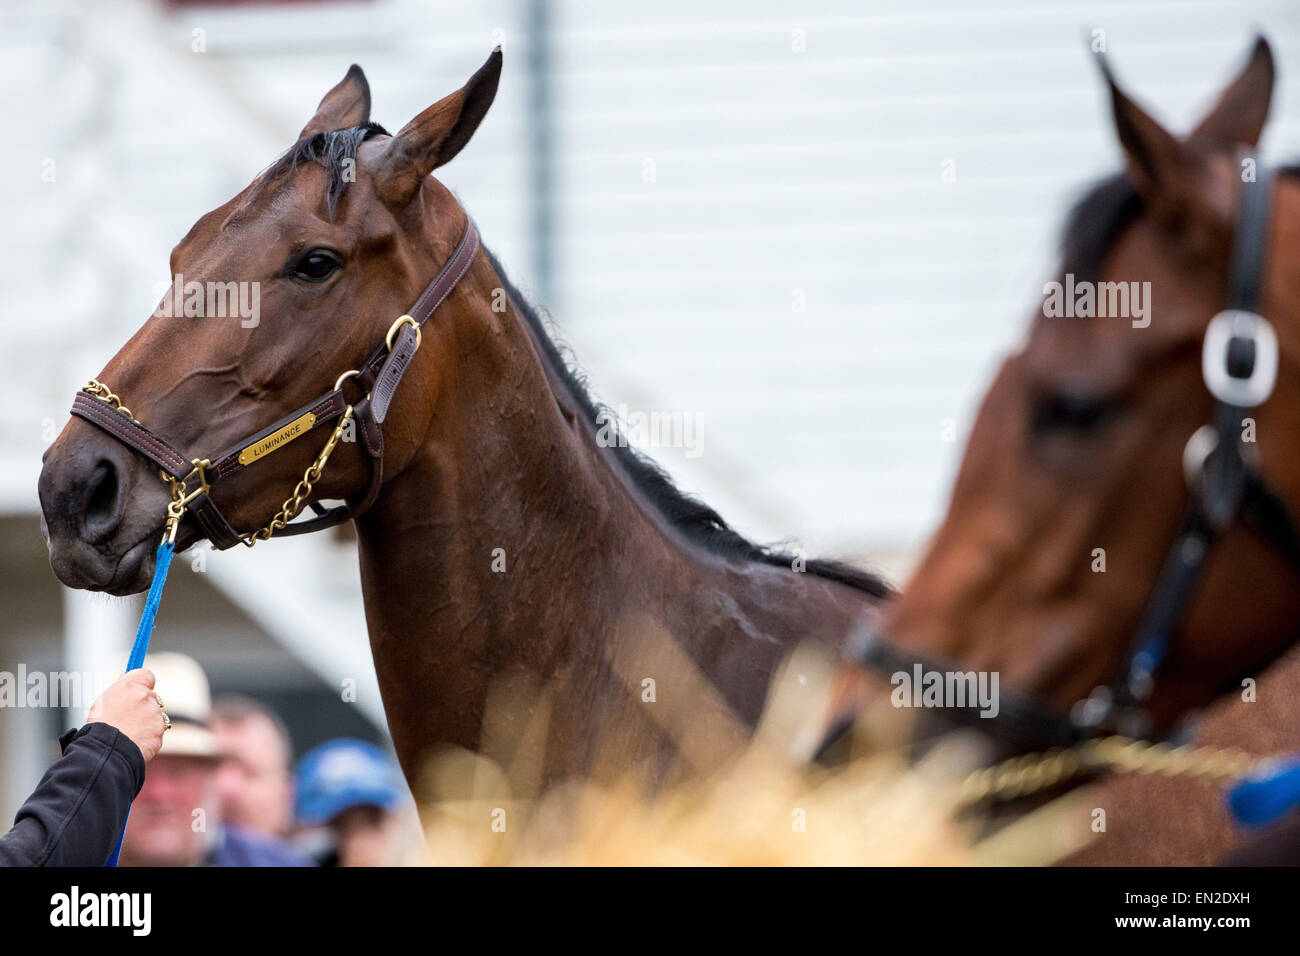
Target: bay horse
column 499, row 539
column 1120, row 544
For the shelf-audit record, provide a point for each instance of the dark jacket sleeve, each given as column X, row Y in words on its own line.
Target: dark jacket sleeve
column 74, row 816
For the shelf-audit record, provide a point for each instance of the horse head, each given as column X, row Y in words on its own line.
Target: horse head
column 1102, row 439
column 322, row 252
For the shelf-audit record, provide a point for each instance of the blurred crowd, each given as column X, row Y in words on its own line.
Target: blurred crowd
column 223, row 790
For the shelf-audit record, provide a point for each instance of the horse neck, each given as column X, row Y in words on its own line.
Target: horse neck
column 507, row 546
column 514, row 547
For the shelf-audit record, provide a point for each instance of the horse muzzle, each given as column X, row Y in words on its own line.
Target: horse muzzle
column 100, row 515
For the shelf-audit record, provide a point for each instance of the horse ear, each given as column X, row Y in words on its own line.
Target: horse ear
column 1170, row 175
column 348, row 104
column 437, row 134
column 1238, row 117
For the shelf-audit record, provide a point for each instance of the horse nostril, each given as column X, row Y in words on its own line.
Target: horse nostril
column 103, row 503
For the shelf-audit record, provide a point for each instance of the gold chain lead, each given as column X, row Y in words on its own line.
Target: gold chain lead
column 302, row 491
column 1021, row 776
column 100, row 390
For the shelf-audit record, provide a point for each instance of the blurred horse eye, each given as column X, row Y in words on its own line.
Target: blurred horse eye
column 1067, row 411
column 316, row 266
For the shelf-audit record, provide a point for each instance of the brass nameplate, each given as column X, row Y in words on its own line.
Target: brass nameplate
column 264, row 446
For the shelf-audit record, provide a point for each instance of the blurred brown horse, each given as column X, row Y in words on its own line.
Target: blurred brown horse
column 508, row 545
column 1072, row 491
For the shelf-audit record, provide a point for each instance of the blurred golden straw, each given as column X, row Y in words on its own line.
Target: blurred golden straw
column 762, row 808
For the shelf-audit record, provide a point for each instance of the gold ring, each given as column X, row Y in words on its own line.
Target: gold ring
column 167, row 723
column 338, row 382
column 158, row 697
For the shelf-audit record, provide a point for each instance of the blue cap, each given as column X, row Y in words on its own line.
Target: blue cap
column 342, row 774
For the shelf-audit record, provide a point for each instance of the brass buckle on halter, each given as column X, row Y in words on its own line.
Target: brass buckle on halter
column 182, row 496
column 401, row 321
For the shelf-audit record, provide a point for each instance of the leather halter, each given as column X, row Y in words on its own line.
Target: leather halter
column 378, row 376
column 1239, row 365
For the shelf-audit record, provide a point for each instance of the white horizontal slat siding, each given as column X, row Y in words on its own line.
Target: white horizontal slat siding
column 820, row 171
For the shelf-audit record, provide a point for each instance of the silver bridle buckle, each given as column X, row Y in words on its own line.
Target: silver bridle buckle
column 1251, row 390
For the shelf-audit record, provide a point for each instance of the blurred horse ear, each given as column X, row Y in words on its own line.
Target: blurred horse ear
column 1159, row 164
column 436, row 135
column 1238, row 117
column 348, row 104
column 1171, row 176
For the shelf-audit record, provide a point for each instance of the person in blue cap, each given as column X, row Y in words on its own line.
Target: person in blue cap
column 351, row 792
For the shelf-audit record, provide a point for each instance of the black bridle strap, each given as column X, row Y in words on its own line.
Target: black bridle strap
column 1226, row 475
column 1023, row 719
column 1269, row 516
column 1165, row 607
column 1250, row 242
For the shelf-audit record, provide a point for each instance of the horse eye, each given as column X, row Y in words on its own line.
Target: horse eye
column 316, row 266
column 1069, row 411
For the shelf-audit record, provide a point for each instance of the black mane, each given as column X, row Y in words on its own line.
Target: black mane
column 1097, row 220
column 698, row 522
column 1095, row 224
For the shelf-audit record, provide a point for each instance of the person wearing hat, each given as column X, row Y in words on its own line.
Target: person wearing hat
column 349, row 793
column 75, row 814
column 176, row 819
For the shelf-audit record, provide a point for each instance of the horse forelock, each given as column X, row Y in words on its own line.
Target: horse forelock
column 335, row 151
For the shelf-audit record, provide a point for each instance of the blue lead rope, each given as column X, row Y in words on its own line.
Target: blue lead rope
column 162, row 562
column 1267, row 795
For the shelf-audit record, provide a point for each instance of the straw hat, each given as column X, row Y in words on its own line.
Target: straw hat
column 187, row 700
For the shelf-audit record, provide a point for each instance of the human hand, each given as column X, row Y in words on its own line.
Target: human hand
column 130, row 705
